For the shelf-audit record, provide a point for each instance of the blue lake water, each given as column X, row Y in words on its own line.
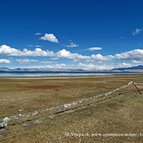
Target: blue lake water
column 60, row 74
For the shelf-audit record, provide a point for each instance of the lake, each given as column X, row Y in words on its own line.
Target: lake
column 60, row 74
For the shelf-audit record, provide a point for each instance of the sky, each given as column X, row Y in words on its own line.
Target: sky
column 71, row 34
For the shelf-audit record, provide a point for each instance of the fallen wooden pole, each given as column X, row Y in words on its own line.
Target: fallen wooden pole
column 137, row 88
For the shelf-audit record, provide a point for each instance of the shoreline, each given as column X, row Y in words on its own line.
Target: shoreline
column 71, row 77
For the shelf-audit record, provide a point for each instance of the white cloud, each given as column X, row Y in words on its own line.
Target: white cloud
column 7, row 50
column 66, row 54
column 39, row 52
column 60, row 65
column 101, row 58
column 124, row 65
column 4, row 49
column 91, row 66
column 63, row 53
column 38, row 34
column 50, row 37
column 137, row 62
column 37, row 46
column 97, row 57
column 52, row 66
column 30, row 45
column 5, row 61
column 87, row 66
column 72, row 45
column 26, row 60
column 133, row 56
column 55, row 58
column 136, row 54
column 75, row 56
column 137, row 31
column 95, row 48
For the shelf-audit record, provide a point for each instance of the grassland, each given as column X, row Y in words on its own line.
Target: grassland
column 119, row 115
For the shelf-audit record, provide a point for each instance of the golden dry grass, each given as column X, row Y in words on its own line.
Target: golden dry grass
column 122, row 114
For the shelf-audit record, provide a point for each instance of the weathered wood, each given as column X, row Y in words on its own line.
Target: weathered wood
column 137, row 88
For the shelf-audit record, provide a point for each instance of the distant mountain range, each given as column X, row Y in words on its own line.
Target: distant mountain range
column 37, row 70
column 138, row 68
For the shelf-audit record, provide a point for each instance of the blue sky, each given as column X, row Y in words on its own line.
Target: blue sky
column 88, row 34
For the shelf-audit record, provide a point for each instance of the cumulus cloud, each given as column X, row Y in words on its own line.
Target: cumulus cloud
column 66, row 54
column 136, row 54
column 95, row 48
column 50, row 65
column 91, row 66
column 75, row 56
column 5, row 61
column 72, row 45
column 7, row 50
column 101, row 58
column 98, row 57
column 4, row 49
column 87, row 66
column 50, row 37
column 133, row 56
column 137, row 31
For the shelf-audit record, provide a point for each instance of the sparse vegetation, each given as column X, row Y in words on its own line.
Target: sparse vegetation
column 121, row 114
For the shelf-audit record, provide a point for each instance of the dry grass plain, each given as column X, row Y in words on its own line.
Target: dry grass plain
column 119, row 115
